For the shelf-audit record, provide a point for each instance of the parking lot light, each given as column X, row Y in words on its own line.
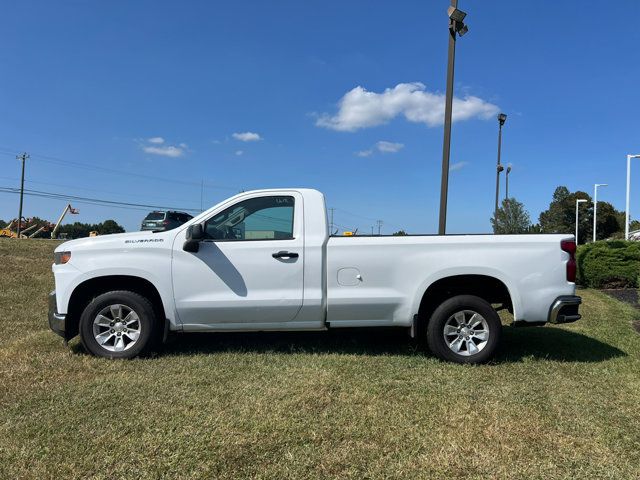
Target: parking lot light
column 595, row 206
column 626, row 215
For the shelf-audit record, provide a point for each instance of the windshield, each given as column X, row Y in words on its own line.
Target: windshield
column 155, row 216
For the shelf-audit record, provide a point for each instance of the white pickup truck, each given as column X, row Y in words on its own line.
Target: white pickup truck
column 265, row 260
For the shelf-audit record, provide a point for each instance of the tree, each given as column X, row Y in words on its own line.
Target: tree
column 399, row 233
column 3, row 224
column 560, row 217
column 109, row 226
column 609, row 222
column 78, row 230
column 512, row 218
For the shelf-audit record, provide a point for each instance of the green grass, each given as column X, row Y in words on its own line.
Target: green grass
column 558, row 402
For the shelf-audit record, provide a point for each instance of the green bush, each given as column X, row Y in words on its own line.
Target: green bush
column 613, row 264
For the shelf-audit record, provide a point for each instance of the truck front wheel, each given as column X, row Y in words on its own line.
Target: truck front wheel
column 464, row 329
column 118, row 324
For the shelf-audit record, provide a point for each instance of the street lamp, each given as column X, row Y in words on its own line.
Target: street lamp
column 595, row 205
column 456, row 27
column 578, row 202
column 626, row 216
column 506, row 194
column 501, row 119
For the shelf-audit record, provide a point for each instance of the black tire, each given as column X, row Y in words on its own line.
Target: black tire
column 443, row 316
column 149, row 327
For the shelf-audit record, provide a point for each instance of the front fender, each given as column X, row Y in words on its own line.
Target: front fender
column 163, row 287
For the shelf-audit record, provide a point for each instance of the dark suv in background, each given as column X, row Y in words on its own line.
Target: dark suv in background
column 161, row 221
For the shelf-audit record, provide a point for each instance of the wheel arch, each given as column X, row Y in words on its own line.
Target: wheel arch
column 487, row 287
column 85, row 291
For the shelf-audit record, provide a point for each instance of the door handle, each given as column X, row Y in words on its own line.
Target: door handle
column 284, row 254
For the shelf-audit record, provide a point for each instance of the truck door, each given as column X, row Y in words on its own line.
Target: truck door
column 248, row 270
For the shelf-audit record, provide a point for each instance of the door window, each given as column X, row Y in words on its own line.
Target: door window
column 262, row 218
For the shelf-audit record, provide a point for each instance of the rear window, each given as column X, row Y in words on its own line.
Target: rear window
column 155, row 216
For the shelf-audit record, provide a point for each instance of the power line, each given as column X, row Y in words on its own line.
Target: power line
column 355, row 214
column 93, row 201
column 343, row 227
column 201, row 184
column 83, row 188
column 60, row 161
column 366, row 218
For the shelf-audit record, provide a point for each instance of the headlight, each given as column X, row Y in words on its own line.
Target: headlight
column 60, row 258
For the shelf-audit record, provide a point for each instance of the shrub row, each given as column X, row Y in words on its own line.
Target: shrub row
column 609, row 264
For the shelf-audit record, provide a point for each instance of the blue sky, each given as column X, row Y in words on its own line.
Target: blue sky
column 158, row 89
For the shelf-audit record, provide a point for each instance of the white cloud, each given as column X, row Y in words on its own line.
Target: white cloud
column 382, row 147
column 364, row 153
column 157, row 146
column 165, row 150
column 239, row 153
column 360, row 108
column 389, row 147
column 457, row 166
column 247, row 136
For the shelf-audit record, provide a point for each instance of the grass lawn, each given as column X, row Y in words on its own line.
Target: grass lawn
column 559, row 402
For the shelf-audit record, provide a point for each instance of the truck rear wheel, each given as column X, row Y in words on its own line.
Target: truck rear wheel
column 464, row 329
column 118, row 324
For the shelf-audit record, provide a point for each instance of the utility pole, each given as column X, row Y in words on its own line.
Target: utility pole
column 456, row 27
column 379, row 223
column 331, row 222
column 372, row 230
column 24, row 158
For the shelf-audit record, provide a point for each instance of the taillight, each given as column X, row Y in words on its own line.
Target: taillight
column 165, row 223
column 569, row 246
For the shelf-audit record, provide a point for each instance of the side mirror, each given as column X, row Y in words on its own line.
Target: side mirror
column 194, row 235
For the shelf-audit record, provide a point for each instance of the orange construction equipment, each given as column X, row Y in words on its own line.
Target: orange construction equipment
column 67, row 209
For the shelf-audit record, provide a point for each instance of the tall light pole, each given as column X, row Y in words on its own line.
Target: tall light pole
column 456, row 27
column 578, row 202
column 626, row 216
column 506, row 193
column 501, row 119
column 595, row 206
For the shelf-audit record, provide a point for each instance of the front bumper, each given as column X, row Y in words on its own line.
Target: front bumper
column 565, row 309
column 57, row 322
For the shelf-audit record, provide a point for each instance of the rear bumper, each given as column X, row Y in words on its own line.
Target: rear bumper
column 57, row 322
column 565, row 309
